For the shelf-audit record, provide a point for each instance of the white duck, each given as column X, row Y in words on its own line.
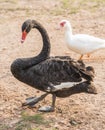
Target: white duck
column 81, row 43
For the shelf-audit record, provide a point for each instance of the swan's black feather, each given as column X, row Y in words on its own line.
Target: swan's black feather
column 43, row 71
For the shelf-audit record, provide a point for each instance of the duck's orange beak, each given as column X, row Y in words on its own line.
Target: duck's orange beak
column 24, row 34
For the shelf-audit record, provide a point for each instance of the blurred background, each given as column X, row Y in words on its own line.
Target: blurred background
column 78, row 112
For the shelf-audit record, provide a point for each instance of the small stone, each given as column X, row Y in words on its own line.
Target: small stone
column 73, row 122
column 56, row 126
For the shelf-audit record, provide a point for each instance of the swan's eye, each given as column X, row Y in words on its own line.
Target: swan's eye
column 28, row 28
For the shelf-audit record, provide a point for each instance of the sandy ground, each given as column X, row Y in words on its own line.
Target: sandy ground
column 87, row 112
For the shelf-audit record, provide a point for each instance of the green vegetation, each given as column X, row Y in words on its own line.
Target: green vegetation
column 10, row 1
column 38, row 118
column 31, row 122
column 27, row 122
column 3, row 127
column 74, row 6
column 65, row 6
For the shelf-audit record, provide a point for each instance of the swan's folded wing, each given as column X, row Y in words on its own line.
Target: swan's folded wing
column 58, row 70
column 87, row 72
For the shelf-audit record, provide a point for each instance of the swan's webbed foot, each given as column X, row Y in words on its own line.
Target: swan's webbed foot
column 46, row 109
column 49, row 108
column 31, row 101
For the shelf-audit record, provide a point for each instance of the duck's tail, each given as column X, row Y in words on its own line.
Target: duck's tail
column 101, row 46
column 104, row 45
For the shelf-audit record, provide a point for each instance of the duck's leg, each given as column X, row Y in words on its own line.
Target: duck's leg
column 81, row 57
column 49, row 108
column 88, row 55
column 33, row 100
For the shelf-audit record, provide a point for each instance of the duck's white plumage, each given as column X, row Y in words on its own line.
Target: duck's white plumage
column 81, row 43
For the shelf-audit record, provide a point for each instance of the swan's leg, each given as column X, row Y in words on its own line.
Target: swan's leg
column 81, row 57
column 49, row 108
column 53, row 101
column 33, row 100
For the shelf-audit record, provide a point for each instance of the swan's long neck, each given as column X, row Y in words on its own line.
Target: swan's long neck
column 45, row 52
column 20, row 65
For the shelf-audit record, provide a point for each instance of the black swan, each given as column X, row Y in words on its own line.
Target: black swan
column 47, row 73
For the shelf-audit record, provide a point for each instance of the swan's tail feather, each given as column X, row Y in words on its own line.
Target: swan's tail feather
column 85, row 86
column 89, row 73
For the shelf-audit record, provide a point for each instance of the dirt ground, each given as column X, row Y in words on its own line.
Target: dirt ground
column 78, row 112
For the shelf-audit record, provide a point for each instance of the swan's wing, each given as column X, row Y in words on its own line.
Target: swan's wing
column 86, row 72
column 68, row 73
column 60, row 69
column 59, row 72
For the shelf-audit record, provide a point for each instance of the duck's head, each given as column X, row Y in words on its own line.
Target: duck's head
column 26, row 27
column 64, row 23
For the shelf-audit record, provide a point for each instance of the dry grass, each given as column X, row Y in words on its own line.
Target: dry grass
column 74, row 6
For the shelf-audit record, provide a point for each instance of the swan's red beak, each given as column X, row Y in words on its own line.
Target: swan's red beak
column 24, row 34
